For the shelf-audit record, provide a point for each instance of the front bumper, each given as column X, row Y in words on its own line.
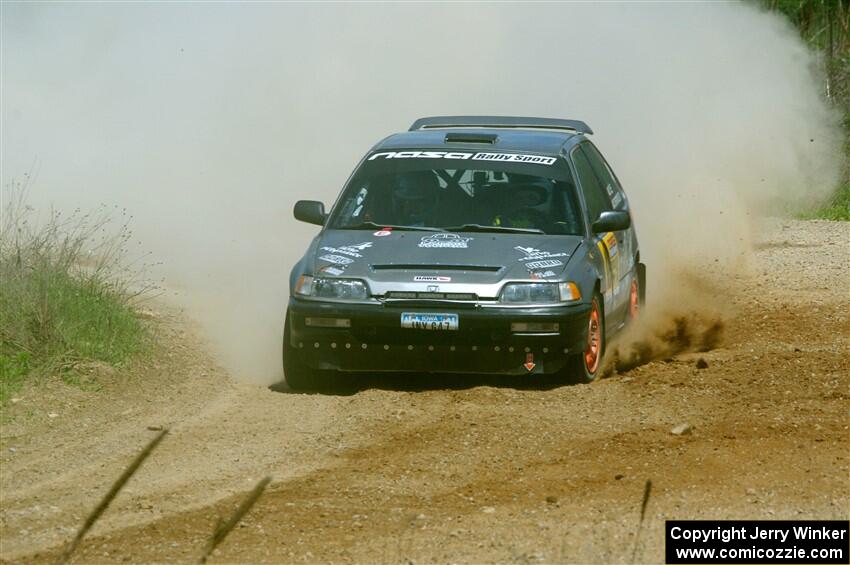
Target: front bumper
column 484, row 343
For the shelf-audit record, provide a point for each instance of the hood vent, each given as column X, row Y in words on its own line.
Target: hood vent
column 437, row 267
column 486, row 138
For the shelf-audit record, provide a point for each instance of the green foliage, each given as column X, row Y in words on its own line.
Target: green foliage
column 65, row 298
column 13, row 369
column 825, row 26
column 837, row 209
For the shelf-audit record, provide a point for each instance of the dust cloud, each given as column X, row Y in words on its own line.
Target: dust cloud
column 207, row 121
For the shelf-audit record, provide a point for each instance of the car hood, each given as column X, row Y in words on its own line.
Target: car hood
column 456, row 262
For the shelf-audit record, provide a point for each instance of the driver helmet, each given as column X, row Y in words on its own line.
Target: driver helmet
column 415, row 197
column 523, row 207
column 529, row 196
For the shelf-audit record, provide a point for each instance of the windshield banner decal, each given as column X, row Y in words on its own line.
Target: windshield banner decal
column 514, row 158
column 502, row 157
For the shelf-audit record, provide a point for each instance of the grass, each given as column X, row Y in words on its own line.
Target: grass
column 66, row 296
column 837, row 209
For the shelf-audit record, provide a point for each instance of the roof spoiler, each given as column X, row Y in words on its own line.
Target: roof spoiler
column 499, row 122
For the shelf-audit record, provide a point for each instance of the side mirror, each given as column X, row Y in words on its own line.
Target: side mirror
column 310, row 211
column 612, row 220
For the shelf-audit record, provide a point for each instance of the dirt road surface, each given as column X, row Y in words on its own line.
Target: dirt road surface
column 464, row 470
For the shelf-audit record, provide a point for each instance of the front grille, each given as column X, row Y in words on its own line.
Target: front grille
column 401, row 295
column 466, row 335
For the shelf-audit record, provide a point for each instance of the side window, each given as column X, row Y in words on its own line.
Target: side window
column 606, row 176
column 594, row 195
column 568, row 213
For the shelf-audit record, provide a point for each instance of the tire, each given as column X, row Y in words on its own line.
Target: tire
column 635, row 301
column 586, row 367
column 297, row 374
column 640, row 277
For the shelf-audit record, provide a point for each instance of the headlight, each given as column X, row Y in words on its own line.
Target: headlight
column 539, row 293
column 339, row 289
column 304, row 286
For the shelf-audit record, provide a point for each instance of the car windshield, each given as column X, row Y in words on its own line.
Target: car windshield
column 459, row 195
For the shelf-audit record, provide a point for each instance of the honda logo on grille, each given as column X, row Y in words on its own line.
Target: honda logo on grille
column 433, row 288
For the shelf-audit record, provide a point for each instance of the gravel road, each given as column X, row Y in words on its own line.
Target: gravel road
column 458, row 470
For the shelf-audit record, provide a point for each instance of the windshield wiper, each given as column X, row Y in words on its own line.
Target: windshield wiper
column 373, row 225
column 480, row 228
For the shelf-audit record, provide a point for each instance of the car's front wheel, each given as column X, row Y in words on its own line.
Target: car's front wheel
column 586, row 366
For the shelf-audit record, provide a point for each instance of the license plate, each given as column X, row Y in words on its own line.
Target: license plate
column 439, row 322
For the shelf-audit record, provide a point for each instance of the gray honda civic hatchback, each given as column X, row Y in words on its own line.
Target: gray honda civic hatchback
column 468, row 244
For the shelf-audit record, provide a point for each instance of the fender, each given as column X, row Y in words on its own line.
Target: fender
column 592, row 272
column 305, row 265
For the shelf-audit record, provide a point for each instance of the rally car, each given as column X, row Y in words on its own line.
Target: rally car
column 468, row 244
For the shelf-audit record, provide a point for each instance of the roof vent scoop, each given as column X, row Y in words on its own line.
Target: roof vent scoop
column 488, row 138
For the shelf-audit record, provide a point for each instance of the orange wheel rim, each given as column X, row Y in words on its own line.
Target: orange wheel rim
column 594, row 340
column 634, row 300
